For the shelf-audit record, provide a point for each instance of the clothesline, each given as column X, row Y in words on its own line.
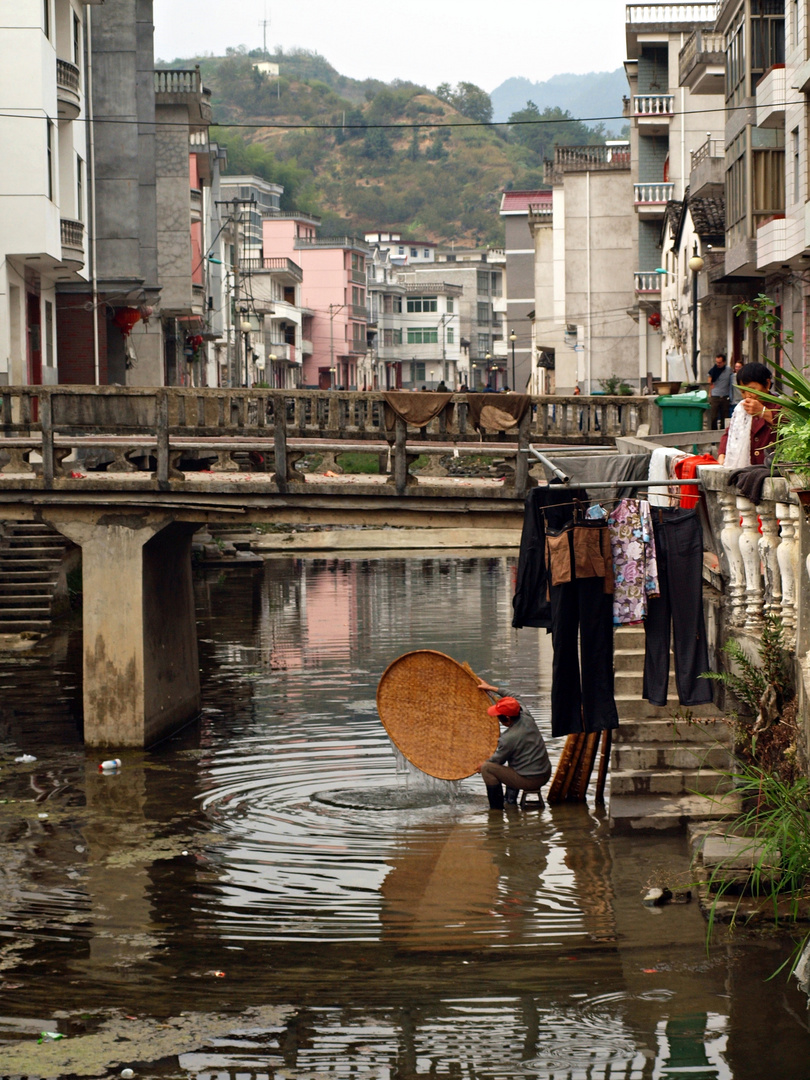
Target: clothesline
column 599, row 484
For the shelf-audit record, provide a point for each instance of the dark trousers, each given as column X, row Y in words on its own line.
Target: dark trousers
column 678, row 613
column 719, row 412
column 581, row 608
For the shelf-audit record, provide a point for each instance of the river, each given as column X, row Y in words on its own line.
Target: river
column 246, row 901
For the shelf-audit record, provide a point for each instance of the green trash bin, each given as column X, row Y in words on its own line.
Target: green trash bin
column 683, row 412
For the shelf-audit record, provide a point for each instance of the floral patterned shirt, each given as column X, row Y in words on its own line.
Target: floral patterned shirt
column 635, row 569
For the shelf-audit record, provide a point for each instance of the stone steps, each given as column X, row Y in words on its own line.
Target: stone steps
column 30, row 557
column 665, row 770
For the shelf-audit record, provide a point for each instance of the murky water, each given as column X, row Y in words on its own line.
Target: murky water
column 269, row 874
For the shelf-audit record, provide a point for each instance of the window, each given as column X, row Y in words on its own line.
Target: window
column 483, row 283
column 358, row 332
column 388, row 337
column 451, row 335
column 768, row 182
column 767, row 37
column 483, row 344
column 483, row 314
column 397, row 305
column 419, row 335
column 79, row 189
column 496, row 284
column 422, row 303
column 358, row 297
column 49, row 157
column 451, row 305
column 735, row 60
column 414, row 253
column 48, row 333
column 417, row 372
column 358, row 263
column 796, row 174
column 402, row 250
column 397, row 337
column 426, row 253
column 77, row 40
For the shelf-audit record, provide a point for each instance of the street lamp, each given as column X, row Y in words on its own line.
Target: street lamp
column 487, row 359
column 272, row 358
column 245, row 327
column 695, row 265
column 513, row 339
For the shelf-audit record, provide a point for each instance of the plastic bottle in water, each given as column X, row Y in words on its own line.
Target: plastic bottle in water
column 110, row 765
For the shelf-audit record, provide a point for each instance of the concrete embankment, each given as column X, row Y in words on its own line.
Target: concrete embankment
column 387, row 540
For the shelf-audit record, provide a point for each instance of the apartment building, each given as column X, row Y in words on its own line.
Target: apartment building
column 334, row 311
column 403, row 252
column 670, row 119
column 43, row 180
column 583, row 329
column 520, row 277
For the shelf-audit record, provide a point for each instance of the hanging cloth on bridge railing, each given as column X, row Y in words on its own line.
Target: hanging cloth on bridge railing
column 497, row 412
column 415, row 409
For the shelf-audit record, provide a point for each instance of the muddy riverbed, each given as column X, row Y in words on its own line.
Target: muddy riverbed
column 213, row 910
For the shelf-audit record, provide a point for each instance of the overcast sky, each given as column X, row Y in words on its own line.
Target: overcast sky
column 427, row 41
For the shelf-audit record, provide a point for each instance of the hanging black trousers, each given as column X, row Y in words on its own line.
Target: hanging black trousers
column 582, row 609
column 677, row 615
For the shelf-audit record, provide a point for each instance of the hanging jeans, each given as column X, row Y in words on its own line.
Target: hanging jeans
column 583, row 703
column 677, row 615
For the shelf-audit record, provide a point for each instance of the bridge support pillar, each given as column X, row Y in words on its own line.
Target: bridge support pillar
column 141, row 671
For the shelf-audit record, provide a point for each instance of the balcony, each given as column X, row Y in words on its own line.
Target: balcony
column 702, row 63
column 281, row 266
column 281, row 351
column 72, row 243
column 591, row 158
column 771, row 98
column 499, row 305
column 653, row 112
column 771, row 242
column 196, row 204
column 358, row 277
column 306, row 347
column 350, row 243
column 651, row 199
column 183, row 86
column 644, row 20
column 707, row 172
column 648, row 283
column 68, row 89
column 358, row 311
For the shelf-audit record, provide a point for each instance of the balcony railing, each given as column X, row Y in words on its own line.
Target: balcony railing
column 647, row 281
column 332, row 242
column 653, row 194
column 279, row 265
column 181, row 81
column 702, row 47
column 358, row 311
column 669, row 14
column 72, row 234
column 653, row 104
column 358, row 277
column 712, row 148
column 195, row 196
column 67, row 76
column 591, row 158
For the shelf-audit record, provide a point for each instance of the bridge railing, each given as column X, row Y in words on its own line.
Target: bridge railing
column 153, row 429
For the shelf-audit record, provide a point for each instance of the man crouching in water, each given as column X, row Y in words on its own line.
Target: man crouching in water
column 520, row 760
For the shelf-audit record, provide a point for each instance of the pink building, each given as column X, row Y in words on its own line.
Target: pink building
column 333, row 296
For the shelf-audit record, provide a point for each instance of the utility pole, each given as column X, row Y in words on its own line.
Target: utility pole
column 235, row 215
column 264, row 23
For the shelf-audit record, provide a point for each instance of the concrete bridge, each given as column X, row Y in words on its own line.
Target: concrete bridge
column 129, row 474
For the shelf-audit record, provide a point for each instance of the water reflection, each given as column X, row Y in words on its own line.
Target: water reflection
column 427, row 940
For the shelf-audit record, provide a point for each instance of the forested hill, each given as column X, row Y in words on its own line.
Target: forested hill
column 438, row 184
column 599, row 93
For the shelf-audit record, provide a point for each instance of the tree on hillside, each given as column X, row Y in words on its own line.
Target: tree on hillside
column 539, row 132
column 470, row 100
column 253, row 159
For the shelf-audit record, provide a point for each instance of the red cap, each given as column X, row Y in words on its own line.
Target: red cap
column 507, row 706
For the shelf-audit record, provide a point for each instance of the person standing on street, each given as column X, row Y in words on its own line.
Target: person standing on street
column 720, row 393
column 520, row 760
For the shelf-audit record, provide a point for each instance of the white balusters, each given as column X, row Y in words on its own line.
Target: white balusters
column 749, row 549
column 730, row 539
column 788, row 555
column 769, row 544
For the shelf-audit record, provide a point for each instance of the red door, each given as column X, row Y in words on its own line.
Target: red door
column 34, row 341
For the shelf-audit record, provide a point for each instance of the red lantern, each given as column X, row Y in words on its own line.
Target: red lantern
column 655, row 320
column 125, row 318
column 196, row 341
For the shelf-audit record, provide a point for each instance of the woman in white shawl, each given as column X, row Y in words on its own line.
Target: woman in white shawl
column 753, row 423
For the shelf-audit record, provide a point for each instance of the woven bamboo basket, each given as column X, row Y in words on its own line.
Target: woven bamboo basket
column 435, row 715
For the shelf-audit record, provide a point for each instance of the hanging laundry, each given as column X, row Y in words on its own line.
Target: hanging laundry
column 676, row 616
column 686, row 469
column 635, row 570
column 662, row 463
